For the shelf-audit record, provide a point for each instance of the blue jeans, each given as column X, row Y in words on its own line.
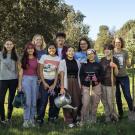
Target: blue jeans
column 125, row 85
column 53, row 110
column 29, row 85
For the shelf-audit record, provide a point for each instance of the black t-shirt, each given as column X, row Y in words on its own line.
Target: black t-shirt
column 72, row 67
column 106, row 76
column 88, row 70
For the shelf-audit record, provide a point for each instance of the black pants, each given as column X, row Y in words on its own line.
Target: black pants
column 125, row 85
column 5, row 85
column 45, row 96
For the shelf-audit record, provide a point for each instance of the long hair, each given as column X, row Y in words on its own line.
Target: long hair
column 25, row 57
column 43, row 45
column 13, row 52
column 86, row 40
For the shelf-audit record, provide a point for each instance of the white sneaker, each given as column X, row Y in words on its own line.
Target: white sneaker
column 71, row 125
column 32, row 123
column 26, row 124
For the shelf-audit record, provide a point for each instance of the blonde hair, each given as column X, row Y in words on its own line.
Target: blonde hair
column 43, row 45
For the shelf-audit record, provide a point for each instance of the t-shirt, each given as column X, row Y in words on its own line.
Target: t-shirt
column 88, row 70
column 32, row 67
column 82, row 57
column 50, row 64
column 106, row 76
column 122, row 57
column 60, row 52
column 8, row 68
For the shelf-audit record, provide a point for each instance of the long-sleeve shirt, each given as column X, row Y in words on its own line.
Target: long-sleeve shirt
column 88, row 70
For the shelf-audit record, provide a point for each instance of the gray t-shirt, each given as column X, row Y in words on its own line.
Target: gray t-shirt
column 122, row 57
column 8, row 69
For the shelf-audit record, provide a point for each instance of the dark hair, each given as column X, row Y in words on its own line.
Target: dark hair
column 13, row 52
column 86, row 40
column 121, row 40
column 52, row 44
column 61, row 34
column 108, row 46
column 25, row 58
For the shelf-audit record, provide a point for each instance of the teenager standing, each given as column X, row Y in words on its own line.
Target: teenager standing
column 28, row 79
column 9, row 64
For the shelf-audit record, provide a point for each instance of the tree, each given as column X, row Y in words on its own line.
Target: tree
column 22, row 19
column 104, row 37
column 74, row 27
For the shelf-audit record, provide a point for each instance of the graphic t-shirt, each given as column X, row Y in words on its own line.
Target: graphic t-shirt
column 50, row 64
column 122, row 57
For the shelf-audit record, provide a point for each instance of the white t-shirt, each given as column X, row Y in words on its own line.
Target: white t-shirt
column 50, row 64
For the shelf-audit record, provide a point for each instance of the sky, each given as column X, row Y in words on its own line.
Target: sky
column 113, row 13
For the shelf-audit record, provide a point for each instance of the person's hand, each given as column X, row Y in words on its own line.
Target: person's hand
column 19, row 87
column 113, row 65
column 46, row 86
column 94, row 78
column 51, row 87
column 62, row 91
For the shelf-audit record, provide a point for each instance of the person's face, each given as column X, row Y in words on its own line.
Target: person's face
column 107, row 52
column 9, row 45
column 38, row 41
column 52, row 50
column 91, row 56
column 117, row 43
column 30, row 50
column 60, row 41
column 83, row 45
column 70, row 52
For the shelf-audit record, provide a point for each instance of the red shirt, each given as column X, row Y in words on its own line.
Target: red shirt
column 32, row 68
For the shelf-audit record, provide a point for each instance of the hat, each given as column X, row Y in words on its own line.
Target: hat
column 89, row 51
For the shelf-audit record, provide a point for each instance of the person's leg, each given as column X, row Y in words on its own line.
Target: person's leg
column 104, row 99
column 3, row 90
column 26, row 85
column 33, row 97
column 85, row 104
column 43, row 103
column 118, row 97
column 96, row 96
column 126, row 91
column 12, row 89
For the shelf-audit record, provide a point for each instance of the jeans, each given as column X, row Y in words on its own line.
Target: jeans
column 125, row 85
column 29, row 85
column 4, row 86
column 53, row 110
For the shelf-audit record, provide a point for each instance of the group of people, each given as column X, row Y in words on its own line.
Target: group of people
column 44, row 71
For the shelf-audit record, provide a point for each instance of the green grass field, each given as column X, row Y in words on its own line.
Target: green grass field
column 123, row 127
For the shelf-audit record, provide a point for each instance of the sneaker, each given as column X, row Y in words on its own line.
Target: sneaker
column 71, row 125
column 32, row 123
column 26, row 124
column 3, row 122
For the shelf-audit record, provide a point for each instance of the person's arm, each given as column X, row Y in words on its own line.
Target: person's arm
column 81, row 74
column 55, row 82
column 128, row 62
column 20, row 73
column 115, row 67
column 62, row 73
column 46, row 86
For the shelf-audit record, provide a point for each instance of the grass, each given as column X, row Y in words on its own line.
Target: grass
column 123, row 127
